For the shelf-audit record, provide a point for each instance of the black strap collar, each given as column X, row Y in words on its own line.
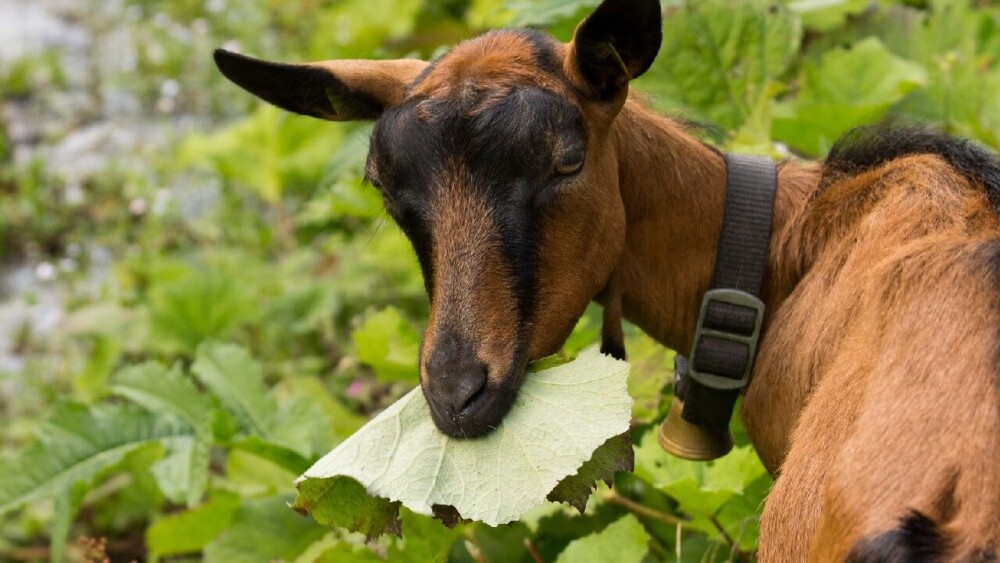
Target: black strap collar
column 725, row 340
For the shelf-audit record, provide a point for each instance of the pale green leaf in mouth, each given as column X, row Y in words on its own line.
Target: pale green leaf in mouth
column 561, row 416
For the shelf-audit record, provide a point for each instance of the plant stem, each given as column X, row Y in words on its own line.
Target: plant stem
column 533, row 551
column 642, row 509
column 735, row 551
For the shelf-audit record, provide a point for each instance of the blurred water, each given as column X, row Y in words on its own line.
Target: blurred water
column 87, row 117
column 28, row 27
column 77, row 130
column 27, row 302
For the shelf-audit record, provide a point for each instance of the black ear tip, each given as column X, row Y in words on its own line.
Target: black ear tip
column 227, row 61
column 643, row 7
column 221, row 56
column 241, row 69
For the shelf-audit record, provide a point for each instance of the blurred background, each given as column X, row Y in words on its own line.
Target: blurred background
column 198, row 297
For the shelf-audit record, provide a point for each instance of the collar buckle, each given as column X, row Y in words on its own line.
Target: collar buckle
column 725, row 340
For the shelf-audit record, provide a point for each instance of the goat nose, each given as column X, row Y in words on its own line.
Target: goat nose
column 465, row 385
column 455, row 376
column 454, row 387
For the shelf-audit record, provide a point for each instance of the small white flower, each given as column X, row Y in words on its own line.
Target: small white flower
column 45, row 271
column 137, row 206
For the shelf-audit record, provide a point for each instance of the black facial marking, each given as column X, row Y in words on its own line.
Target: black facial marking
column 545, row 53
column 502, row 147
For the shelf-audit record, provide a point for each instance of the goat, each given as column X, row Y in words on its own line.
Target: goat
column 530, row 183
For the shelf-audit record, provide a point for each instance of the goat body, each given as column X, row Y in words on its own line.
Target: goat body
column 530, row 182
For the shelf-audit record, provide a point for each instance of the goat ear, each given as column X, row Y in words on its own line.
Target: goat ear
column 345, row 90
column 616, row 43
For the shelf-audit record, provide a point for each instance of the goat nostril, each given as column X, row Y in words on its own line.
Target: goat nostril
column 469, row 386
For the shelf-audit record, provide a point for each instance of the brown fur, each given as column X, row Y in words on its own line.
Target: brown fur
column 495, row 61
column 383, row 80
column 471, row 273
column 891, row 335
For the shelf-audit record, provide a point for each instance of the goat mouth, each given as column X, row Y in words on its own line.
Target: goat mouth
column 482, row 414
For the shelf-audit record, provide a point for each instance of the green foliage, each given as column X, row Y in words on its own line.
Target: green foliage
column 388, row 344
column 847, row 88
column 723, row 60
column 342, row 501
column 191, row 531
column 76, row 443
column 268, row 152
column 827, row 15
column 238, row 381
column 611, row 457
column 230, row 300
column 196, row 306
column 624, row 541
column 726, row 492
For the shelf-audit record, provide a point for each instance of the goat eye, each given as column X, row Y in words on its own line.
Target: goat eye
column 373, row 180
column 571, row 163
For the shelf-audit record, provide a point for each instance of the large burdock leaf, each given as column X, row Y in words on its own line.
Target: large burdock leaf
column 720, row 58
column 849, row 87
column 561, row 416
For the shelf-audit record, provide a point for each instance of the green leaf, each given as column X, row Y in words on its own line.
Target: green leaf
column 389, row 344
column 347, row 552
column 263, row 530
column 183, row 474
column 719, row 57
column 67, row 502
column 277, row 454
column 867, row 74
column 302, row 425
column 343, row 422
column 740, row 517
column 498, row 544
column 191, row 531
column 344, row 502
column 701, row 489
column 238, row 381
column 826, row 15
column 254, row 475
column 105, row 353
column 623, row 541
column 544, row 13
column 153, row 387
column 561, row 416
column 76, row 443
column 652, row 369
column 426, row 540
column 613, row 456
column 848, row 87
column 200, row 305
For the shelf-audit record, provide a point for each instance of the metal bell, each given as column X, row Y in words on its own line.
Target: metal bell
column 685, row 440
